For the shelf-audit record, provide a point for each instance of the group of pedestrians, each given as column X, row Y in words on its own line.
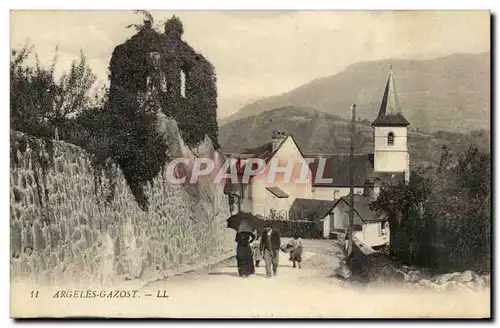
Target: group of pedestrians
column 267, row 249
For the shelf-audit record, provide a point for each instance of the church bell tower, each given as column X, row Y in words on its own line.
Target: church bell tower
column 391, row 134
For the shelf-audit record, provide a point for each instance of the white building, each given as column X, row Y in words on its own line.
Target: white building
column 263, row 194
column 369, row 227
column 326, row 203
column 390, row 163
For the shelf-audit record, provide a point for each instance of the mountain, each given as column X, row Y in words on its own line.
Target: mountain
column 450, row 93
column 319, row 132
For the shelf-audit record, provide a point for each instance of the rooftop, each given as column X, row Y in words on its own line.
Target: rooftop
column 278, row 192
column 336, row 167
column 309, row 209
column 362, row 207
column 390, row 112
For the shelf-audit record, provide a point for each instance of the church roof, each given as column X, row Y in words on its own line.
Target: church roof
column 390, row 112
column 336, row 167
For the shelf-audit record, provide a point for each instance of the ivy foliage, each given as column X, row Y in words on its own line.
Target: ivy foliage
column 153, row 60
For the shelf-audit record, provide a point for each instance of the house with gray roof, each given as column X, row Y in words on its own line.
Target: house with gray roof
column 323, row 198
column 369, row 226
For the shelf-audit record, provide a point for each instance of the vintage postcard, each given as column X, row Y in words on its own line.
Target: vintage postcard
column 250, row 164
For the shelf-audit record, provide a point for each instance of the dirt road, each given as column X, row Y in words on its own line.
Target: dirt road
column 221, row 292
column 301, row 293
column 309, row 292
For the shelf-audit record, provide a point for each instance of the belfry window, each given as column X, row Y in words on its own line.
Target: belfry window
column 183, row 84
column 390, row 139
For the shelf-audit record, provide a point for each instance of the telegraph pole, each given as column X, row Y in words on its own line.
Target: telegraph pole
column 349, row 230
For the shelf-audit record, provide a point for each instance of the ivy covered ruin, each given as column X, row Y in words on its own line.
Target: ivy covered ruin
column 162, row 66
column 155, row 72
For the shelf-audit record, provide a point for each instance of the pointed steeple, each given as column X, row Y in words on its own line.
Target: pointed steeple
column 390, row 113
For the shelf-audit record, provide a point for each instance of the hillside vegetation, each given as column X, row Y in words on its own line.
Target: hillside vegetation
column 450, row 93
column 318, row 132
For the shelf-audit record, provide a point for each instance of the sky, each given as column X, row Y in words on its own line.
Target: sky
column 257, row 54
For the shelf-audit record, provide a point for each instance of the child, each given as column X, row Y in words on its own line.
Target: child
column 257, row 254
column 296, row 253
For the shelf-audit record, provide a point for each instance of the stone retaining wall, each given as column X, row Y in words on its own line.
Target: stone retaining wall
column 68, row 225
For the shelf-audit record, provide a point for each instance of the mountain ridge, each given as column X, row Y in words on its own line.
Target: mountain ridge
column 318, row 132
column 450, row 93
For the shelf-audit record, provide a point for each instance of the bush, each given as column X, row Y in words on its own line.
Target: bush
column 305, row 229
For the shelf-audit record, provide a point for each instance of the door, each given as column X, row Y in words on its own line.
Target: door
column 326, row 227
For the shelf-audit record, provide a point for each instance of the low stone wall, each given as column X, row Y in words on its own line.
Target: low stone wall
column 466, row 280
column 71, row 223
column 370, row 266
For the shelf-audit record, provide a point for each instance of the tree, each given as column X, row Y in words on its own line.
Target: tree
column 441, row 219
column 399, row 202
column 72, row 91
column 274, row 214
column 473, row 174
column 147, row 17
column 38, row 101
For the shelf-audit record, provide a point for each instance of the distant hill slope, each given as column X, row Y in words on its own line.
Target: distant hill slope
column 450, row 93
column 318, row 132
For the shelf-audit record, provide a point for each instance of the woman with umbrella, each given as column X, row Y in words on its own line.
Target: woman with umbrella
column 244, row 256
column 244, row 224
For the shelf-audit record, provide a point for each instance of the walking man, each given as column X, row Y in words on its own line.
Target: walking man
column 269, row 246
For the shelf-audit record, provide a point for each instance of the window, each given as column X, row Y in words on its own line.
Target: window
column 383, row 228
column 390, row 139
column 183, row 84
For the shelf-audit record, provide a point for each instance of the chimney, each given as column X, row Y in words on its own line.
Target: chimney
column 277, row 138
column 368, row 189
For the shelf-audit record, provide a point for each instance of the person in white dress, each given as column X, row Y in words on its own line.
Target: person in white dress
column 296, row 253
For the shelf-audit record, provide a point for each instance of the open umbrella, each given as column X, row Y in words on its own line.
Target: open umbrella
column 243, row 221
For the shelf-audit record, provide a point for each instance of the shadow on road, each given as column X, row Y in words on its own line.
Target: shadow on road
column 232, row 274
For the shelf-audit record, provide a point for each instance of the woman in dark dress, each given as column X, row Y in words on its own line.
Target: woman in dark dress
column 244, row 256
